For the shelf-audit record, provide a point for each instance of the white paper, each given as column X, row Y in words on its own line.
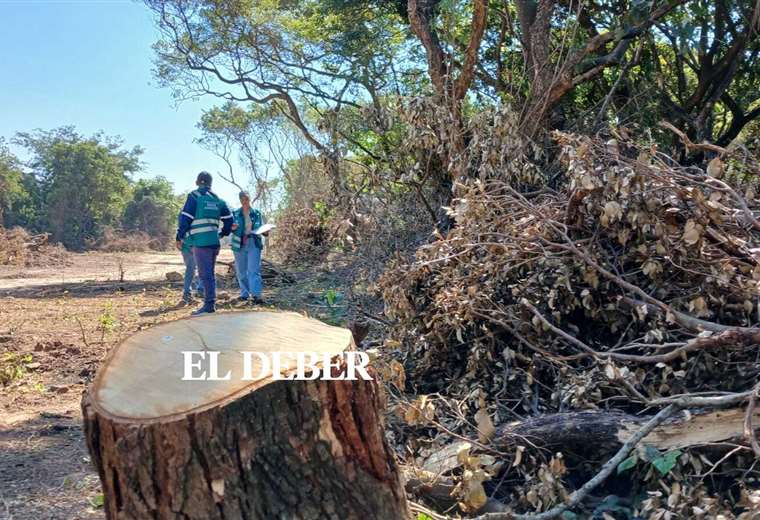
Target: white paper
column 263, row 229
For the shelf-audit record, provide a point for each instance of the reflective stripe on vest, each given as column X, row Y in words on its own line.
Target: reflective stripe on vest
column 203, row 229
column 236, row 244
column 205, row 225
column 200, row 221
column 256, row 221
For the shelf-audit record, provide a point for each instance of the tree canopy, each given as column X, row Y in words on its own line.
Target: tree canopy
column 343, row 75
column 84, row 182
column 153, row 208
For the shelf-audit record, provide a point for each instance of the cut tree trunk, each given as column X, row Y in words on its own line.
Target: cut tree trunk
column 265, row 449
column 604, row 432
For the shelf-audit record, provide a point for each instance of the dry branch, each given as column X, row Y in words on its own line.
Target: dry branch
column 633, row 285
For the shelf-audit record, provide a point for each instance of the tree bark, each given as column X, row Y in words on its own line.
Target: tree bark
column 273, row 450
column 603, row 432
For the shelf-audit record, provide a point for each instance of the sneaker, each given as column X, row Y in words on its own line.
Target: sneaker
column 242, row 299
column 187, row 299
column 257, row 300
column 203, row 310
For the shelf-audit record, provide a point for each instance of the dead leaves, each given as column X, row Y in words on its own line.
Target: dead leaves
column 715, row 168
column 692, row 233
column 420, row 412
column 486, row 429
column 640, row 227
column 477, row 469
column 611, row 214
column 391, row 372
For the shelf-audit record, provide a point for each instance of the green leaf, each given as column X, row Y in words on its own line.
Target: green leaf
column 97, row 501
column 667, row 462
column 627, row 464
column 423, row 516
column 331, row 296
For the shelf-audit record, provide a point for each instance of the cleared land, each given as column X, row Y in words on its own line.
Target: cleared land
column 56, row 325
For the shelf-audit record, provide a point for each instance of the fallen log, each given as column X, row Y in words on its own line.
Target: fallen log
column 596, row 433
column 605, row 431
column 232, row 449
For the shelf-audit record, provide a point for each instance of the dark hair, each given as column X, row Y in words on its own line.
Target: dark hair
column 204, row 178
column 244, row 194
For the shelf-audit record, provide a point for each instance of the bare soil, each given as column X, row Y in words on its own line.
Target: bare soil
column 97, row 267
column 66, row 320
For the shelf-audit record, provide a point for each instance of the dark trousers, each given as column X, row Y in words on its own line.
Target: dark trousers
column 205, row 259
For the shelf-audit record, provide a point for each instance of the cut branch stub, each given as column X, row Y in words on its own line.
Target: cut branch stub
column 231, row 449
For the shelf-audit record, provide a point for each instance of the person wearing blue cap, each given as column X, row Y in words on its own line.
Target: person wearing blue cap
column 200, row 219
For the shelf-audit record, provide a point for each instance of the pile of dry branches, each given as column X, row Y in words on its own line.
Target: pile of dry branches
column 121, row 241
column 302, row 235
column 633, row 287
column 20, row 248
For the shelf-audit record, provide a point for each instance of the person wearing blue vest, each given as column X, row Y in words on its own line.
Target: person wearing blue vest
column 200, row 218
column 247, row 247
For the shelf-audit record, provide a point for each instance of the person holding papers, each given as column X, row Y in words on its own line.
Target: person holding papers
column 247, row 245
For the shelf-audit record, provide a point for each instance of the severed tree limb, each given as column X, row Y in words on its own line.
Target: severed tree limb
column 688, row 143
column 683, row 319
column 698, row 401
column 610, row 466
column 603, row 432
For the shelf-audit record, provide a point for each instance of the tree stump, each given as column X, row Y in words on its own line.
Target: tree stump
column 264, row 449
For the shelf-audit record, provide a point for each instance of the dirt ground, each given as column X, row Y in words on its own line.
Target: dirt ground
column 96, row 267
column 58, row 324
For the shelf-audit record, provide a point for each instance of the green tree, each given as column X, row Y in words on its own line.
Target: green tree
column 305, row 61
column 84, row 182
column 13, row 191
column 153, row 208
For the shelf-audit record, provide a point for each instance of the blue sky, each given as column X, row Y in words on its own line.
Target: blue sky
column 88, row 63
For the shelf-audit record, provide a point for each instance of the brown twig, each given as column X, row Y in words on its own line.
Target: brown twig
column 689, row 144
column 694, row 401
column 81, row 329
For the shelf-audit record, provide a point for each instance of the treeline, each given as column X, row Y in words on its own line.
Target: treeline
column 77, row 188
